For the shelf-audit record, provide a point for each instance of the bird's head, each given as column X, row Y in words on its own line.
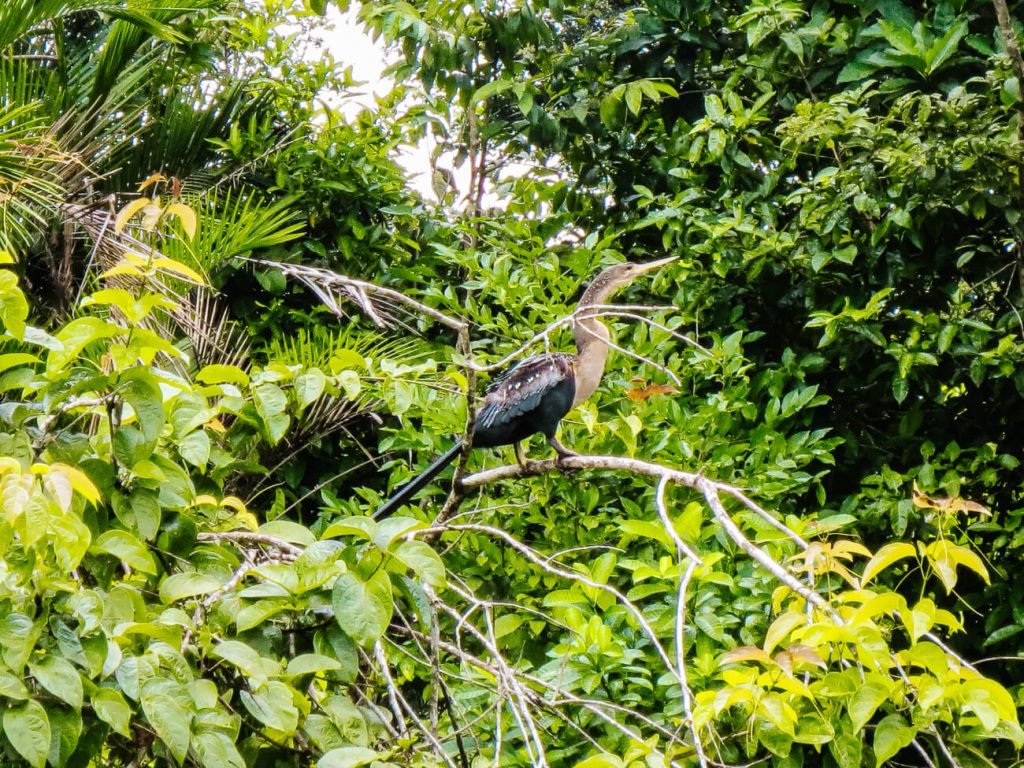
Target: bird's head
column 618, row 276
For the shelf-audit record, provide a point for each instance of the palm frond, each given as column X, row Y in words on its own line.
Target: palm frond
column 316, row 348
column 128, row 34
column 178, row 125
column 214, row 337
column 31, row 165
column 18, row 18
column 231, row 225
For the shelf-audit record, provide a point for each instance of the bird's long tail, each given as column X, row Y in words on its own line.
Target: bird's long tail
column 407, row 491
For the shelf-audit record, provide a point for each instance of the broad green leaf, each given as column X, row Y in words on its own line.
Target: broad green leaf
column 633, row 98
column 223, row 374
column 362, row 609
column 944, row 47
column 311, row 662
column 423, row 560
column 255, row 614
column 271, row 403
column 12, row 687
column 309, row 386
column 507, row 623
column 215, row 749
column 76, row 336
column 891, row 735
column 602, row 760
column 65, row 731
column 847, row 748
column 184, row 585
column 169, row 717
column 195, row 448
column 13, row 305
column 15, row 359
column 111, row 708
column 294, row 533
column 126, row 548
column 781, row 627
column 864, row 702
column 990, row 701
column 18, row 635
column 347, row 757
column 884, row 557
column 28, row 729
column 271, row 704
column 58, row 677
column 490, row 88
column 246, row 659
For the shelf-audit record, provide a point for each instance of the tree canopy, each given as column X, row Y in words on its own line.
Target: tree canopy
column 232, row 329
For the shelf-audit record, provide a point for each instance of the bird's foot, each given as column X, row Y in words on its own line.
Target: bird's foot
column 561, row 450
column 520, row 456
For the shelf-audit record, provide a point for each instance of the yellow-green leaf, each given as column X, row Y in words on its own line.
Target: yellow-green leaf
column 126, row 213
column 885, row 557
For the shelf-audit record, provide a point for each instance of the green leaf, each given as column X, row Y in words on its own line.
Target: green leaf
column 126, row 548
column 634, row 98
column 195, row 448
column 362, row 609
column 16, row 359
column 309, row 386
column 76, row 336
column 271, row 403
column 58, row 677
column 885, row 557
column 293, row 533
column 28, row 729
column 940, row 51
column 891, row 735
column 847, row 748
column 864, row 702
column 223, row 374
column 507, row 623
column 491, row 88
column 216, row 750
column 611, row 109
column 347, row 757
column 65, row 731
column 13, row 305
column 246, row 659
column 423, row 560
column 142, row 393
column 305, row 663
column 184, row 585
column 162, row 702
column 12, row 687
column 111, row 708
column 253, row 615
column 271, row 704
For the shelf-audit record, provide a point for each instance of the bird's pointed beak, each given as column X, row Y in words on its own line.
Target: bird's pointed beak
column 655, row 264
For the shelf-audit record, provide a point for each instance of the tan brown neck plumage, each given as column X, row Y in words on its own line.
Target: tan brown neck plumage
column 591, row 337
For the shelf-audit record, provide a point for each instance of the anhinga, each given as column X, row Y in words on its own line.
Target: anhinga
column 534, row 395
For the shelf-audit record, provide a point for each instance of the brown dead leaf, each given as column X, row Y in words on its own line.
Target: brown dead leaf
column 945, row 505
column 651, row 390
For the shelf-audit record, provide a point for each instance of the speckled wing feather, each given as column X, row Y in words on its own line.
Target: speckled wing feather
column 521, row 389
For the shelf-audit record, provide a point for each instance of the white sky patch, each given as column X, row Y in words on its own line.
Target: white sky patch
column 350, row 44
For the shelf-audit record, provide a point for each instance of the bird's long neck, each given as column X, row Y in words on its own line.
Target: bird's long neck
column 591, row 337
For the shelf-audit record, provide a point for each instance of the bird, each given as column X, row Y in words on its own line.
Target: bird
column 533, row 396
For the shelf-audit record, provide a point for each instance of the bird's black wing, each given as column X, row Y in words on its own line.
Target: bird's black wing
column 521, row 389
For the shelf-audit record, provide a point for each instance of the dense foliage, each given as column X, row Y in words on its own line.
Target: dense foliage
column 797, row 542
